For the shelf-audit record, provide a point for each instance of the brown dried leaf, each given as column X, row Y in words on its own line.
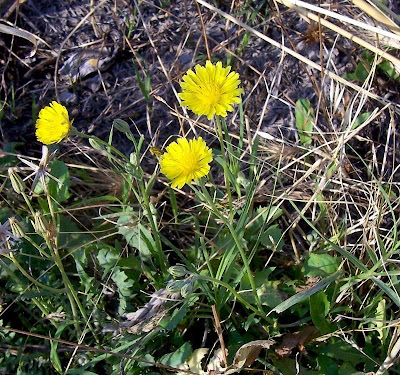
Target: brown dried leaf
column 297, row 339
column 247, row 354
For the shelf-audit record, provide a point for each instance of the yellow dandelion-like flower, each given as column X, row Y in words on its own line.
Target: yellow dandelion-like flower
column 53, row 124
column 211, row 90
column 186, row 161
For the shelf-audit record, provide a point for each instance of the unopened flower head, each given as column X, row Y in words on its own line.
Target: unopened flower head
column 16, row 228
column 16, row 181
column 53, row 124
column 185, row 161
column 7, row 239
column 210, row 90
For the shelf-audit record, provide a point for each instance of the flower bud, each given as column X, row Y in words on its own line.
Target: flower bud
column 187, row 290
column 95, row 144
column 177, row 271
column 16, row 181
column 175, row 286
column 121, row 125
column 16, row 228
column 40, row 225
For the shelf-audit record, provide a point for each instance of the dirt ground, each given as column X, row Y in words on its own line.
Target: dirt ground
column 95, row 56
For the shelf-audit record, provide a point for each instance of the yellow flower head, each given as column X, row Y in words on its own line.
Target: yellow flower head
column 211, row 90
column 53, row 124
column 185, row 161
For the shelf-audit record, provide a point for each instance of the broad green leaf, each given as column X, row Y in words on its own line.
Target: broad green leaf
column 107, row 258
column 327, row 365
column 320, row 265
column 269, row 294
column 59, row 191
column 124, row 285
column 137, row 235
column 319, row 309
column 345, row 352
column 171, row 322
column 80, row 260
column 272, row 238
column 260, row 277
column 348, row 369
column 304, row 120
column 178, row 357
column 387, row 67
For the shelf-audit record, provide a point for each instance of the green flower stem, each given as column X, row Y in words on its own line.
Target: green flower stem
column 225, row 164
column 161, row 256
column 35, row 300
column 162, row 260
column 260, row 312
column 101, row 142
column 72, row 295
column 32, row 279
column 67, row 285
column 38, row 248
column 51, row 208
column 235, row 238
column 28, row 202
column 69, row 288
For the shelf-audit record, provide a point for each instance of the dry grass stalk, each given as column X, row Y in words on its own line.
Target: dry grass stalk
column 298, row 56
column 311, row 16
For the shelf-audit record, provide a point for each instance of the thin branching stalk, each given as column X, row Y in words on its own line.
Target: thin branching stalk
column 232, row 230
column 32, row 279
column 225, row 164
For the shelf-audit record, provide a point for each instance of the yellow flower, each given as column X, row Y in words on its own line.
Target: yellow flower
column 53, row 124
column 185, row 161
column 211, row 90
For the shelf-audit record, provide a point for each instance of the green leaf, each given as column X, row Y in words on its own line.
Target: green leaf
column 137, row 235
column 80, row 260
column 328, row 365
column 361, row 119
column 260, row 277
column 380, row 323
column 389, row 291
column 9, row 160
column 299, row 297
column 320, row 265
column 59, row 191
column 178, row 357
column 55, row 360
column 124, row 285
column 319, row 309
column 348, row 369
column 362, row 71
column 269, row 294
column 304, row 120
column 107, row 258
column 345, row 352
column 388, row 69
column 272, row 238
column 177, row 316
